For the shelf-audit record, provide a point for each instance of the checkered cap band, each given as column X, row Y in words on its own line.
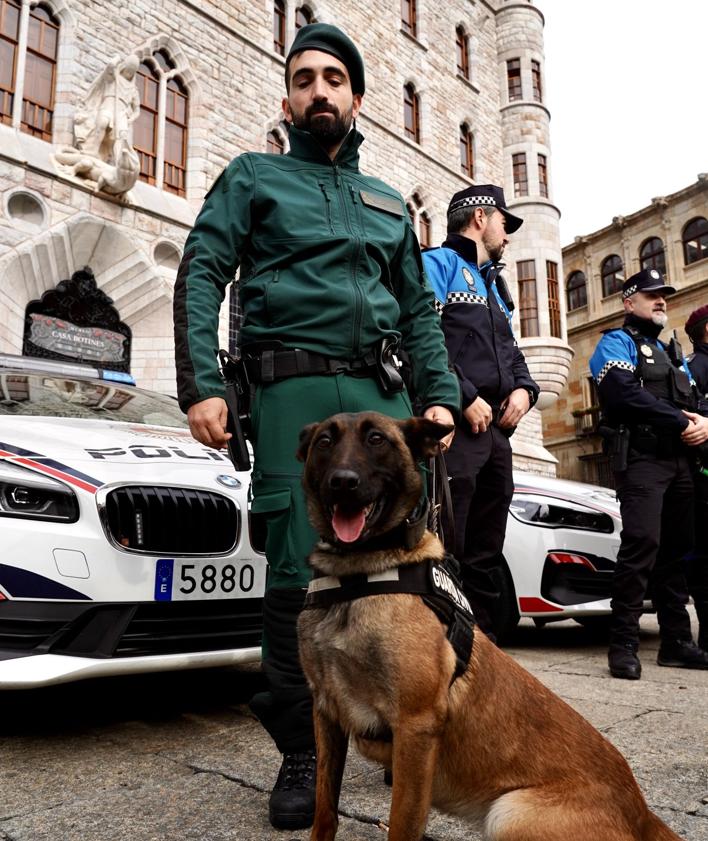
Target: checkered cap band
column 472, row 201
column 630, row 291
column 614, row 363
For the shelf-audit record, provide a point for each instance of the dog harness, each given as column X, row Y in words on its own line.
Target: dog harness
column 433, row 580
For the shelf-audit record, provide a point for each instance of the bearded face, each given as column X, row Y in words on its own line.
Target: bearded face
column 325, row 122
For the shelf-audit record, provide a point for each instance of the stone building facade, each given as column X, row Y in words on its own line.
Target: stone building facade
column 473, row 67
column 670, row 234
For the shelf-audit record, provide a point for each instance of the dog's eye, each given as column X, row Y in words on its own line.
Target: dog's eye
column 323, row 442
column 375, row 439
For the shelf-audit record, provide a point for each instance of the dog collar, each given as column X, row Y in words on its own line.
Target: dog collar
column 432, row 579
column 407, row 535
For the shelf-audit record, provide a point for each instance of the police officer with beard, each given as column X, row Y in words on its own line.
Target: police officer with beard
column 697, row 329
column 331, row 280
column 497, row 389
column 647, row 402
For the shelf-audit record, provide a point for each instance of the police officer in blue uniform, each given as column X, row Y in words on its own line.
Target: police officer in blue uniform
column 497, row 389
column 697, row 330
column 648, row 404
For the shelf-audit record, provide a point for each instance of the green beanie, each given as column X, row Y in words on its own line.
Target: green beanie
column 329, row 39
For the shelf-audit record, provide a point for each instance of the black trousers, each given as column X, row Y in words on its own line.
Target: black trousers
column 698, row 558
column 481, row 485
column 285, row 709
column 656, row 503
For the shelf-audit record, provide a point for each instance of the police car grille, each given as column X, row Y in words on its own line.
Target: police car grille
column 172, row 521
column 171, row 628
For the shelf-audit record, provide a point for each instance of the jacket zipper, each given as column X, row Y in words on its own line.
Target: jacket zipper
column 353, row 262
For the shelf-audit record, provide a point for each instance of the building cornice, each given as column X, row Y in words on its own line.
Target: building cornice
column 525, row 103
column 657, row 205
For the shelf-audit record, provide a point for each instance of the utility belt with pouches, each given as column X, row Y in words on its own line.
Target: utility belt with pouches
column 267, row 362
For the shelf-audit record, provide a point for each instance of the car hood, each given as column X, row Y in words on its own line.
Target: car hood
column 594, row 496
column 107, row 451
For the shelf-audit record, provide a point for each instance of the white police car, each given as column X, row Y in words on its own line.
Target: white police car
column 560, row 550
column 124, row 544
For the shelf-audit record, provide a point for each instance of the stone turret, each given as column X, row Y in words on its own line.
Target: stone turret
column 535, row 251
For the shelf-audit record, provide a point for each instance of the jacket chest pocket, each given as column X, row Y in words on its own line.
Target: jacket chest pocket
column 380, row 217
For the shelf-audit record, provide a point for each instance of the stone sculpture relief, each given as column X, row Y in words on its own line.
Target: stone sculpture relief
column 103, row 150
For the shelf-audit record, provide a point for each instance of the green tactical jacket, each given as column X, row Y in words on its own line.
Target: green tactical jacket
column 328, row 260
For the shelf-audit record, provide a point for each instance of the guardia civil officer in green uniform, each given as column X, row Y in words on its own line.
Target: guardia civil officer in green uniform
column 330, row 273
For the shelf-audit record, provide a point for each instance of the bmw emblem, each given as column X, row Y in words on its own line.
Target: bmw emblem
column 228, row 481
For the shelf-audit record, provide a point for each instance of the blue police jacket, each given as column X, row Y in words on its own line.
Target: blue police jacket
column 477, row 323
column 613, row 366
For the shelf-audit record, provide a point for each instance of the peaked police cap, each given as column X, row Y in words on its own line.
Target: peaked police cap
column 648, row 280
column 330, row 39
column 482, row 195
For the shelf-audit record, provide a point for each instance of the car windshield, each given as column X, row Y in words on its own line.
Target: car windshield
column 58, row 396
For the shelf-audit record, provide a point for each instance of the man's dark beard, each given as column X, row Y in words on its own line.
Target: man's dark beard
column 324, row 129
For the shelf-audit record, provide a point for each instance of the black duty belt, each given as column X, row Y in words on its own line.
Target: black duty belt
column 271, row 365
column 431, row 579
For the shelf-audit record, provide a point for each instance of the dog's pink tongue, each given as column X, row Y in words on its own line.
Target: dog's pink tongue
column 348, row 527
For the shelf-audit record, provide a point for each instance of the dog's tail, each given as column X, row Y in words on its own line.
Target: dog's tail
column 656, row 830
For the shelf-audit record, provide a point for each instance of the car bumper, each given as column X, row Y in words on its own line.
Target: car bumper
column 52, row 641
column 46, row 669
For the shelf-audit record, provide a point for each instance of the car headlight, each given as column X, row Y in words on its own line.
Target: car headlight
column 553, row 515
column 35, row 497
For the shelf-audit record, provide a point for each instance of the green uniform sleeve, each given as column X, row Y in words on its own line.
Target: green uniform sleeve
column 211, row 257
column 420, row 328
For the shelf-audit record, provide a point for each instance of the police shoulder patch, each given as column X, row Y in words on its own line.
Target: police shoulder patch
column 469, row 279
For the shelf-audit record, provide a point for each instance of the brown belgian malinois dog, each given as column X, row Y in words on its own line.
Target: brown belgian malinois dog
column 493, row 745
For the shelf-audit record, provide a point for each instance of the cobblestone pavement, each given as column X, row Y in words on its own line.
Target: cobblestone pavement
column 178, row 757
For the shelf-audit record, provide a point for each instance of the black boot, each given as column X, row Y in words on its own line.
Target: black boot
column 623, row 661
column 682, row 654
column 292, row 801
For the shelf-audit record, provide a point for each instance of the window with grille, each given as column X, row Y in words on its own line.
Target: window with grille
column 528, row 303
column 652, row 255
column 411, row 113
column 424, row 230
column 409, row 22
column 576, row 291
column 466, row 150
column 536, row 81
column 34, row 112
column 162, row 164
column 612, row 273
column 463, row 52
column 543, row 175
column 695, row 240
column 420, row 220
column 513, row 78
column 554, row 312
column 279, row 27
column 275, row 143
column 145, row 127
column 521, row 178
column 9, row 49
column 303, row 17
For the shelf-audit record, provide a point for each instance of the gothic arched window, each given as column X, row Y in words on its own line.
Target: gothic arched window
column 160, row 132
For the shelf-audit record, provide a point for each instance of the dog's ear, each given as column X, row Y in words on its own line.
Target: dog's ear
column 423, row 436
column 303, row 446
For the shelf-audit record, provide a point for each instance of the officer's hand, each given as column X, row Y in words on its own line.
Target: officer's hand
column 441, row 414
column 479, row 415
column 207, row 422
column 515, row 407
column 697, row 430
